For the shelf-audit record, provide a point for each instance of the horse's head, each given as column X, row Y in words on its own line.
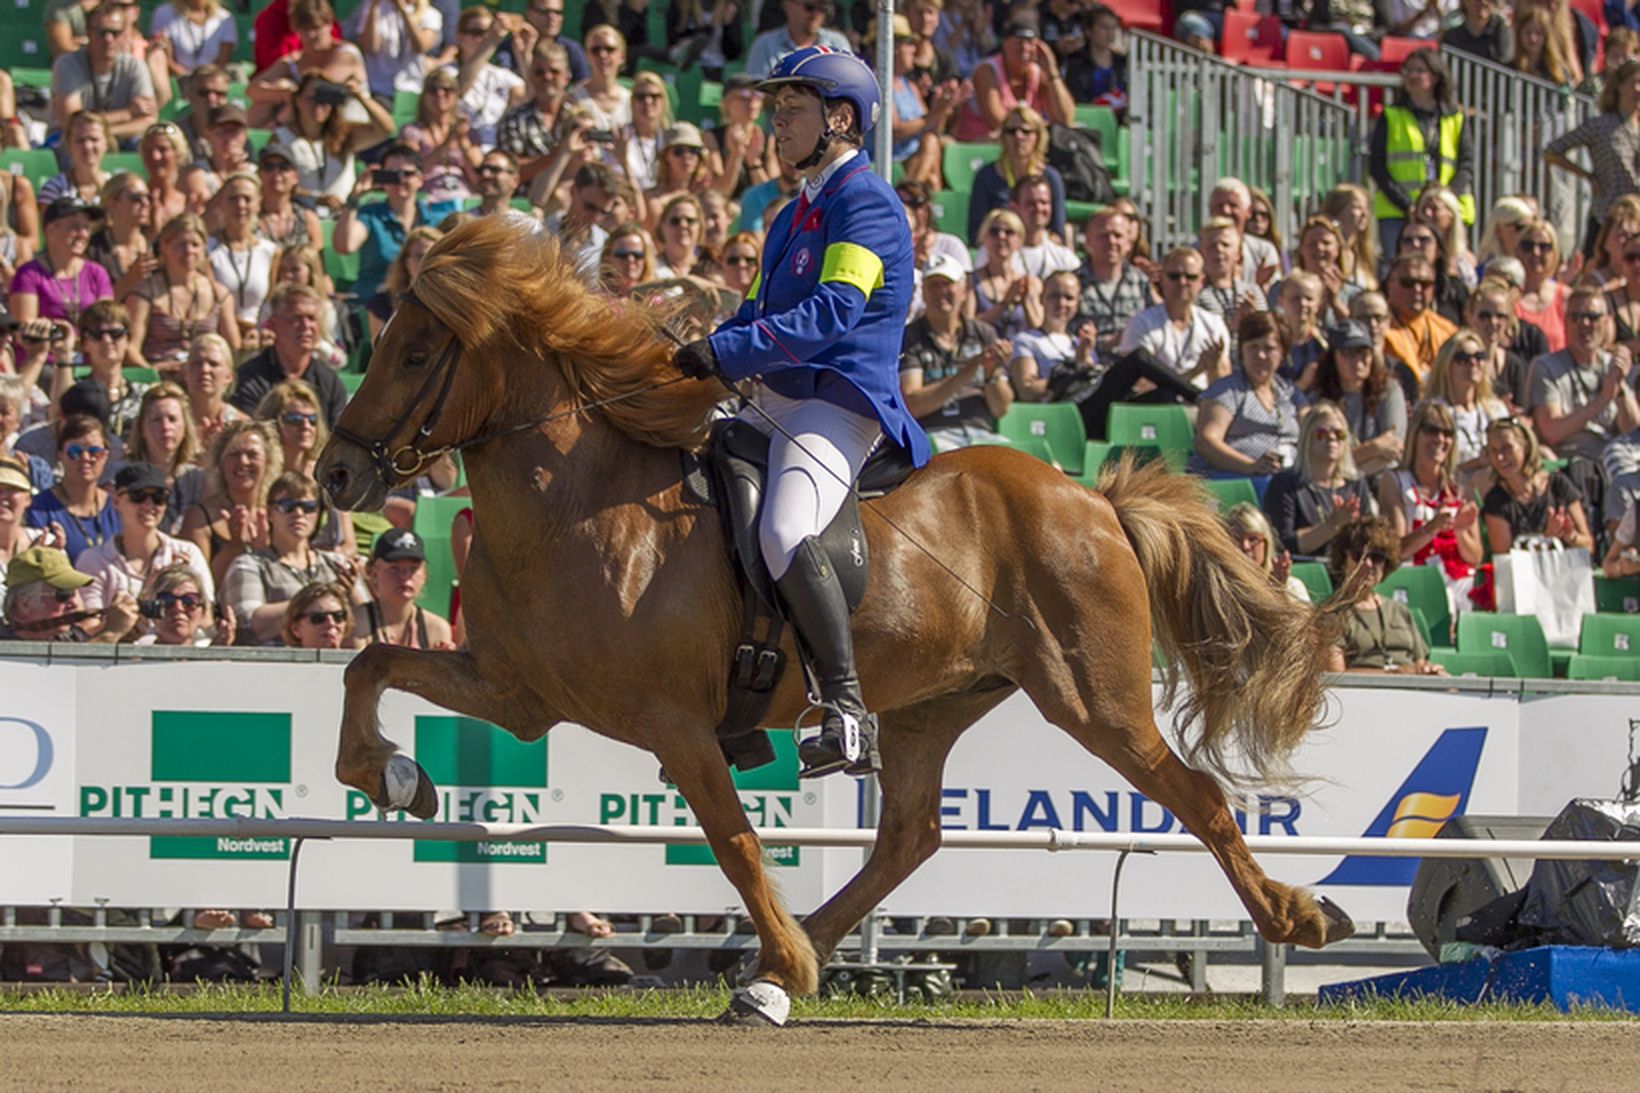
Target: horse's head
column 438, row 376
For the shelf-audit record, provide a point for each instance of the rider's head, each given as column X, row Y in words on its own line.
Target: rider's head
column 821, row 97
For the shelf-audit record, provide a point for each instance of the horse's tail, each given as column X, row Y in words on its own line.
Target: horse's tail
column 1253, row 655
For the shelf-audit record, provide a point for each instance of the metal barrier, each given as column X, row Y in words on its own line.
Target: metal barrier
column 303, row 957
column 1195, row 118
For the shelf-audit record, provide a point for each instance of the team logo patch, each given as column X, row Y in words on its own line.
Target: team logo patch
column 801, row 261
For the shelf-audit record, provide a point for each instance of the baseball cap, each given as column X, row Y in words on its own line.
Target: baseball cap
column 684, row 135
column 1349, row 335
column 227, row 114
column 69, row 205
column 275, row 150
column 14, row 476
column 46, row 564
column 944, row 265
column 901, row 26
column 1023, row 24
column 398, row 546
column 139, row 476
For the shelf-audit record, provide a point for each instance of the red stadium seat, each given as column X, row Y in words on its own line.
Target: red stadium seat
column 1306, row 49
column 1251, row 39
column 1151, row 15
column 1595, row 10
column 1392, row 51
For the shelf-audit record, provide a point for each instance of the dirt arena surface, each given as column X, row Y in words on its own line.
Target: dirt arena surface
column 174, row 1053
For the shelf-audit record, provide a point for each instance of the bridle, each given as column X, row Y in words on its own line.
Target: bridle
column 393, row 465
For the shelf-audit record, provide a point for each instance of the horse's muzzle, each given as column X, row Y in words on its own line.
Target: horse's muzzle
column 349, row 479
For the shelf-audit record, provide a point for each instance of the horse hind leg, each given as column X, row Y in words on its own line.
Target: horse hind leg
column 372, row 764
column 786, row 963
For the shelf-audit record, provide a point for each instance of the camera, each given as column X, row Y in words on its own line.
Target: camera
column 149, row 609
column 602, row 136
column 326, row 93
column 386, row 177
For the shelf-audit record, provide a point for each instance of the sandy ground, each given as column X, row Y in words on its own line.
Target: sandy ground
column 64, row 1052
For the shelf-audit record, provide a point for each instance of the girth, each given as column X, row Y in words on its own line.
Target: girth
column 729, row 475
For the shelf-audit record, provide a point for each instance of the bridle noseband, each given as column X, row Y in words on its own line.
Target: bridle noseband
column 394, row 465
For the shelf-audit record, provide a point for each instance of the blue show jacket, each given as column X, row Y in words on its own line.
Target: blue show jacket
column 830, row 301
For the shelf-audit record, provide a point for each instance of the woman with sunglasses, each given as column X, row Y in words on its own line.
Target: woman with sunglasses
column 1380, row 634
column 128, row 561
column 1023, row 142
column 77, row 503
column 1543, row 297
column 677, row 238
column 1005, row 296
column 683, row 171
column 122, row 245
column 163, row 434
column 318, row 617
column 640, row 146
column 1618, row 253
column 1425, row 241
column 260, row 582
column 282, row 222
column 103, row 336
column 232, row 518
column 1490, row 315
column 609, row 103
column 740, row 262
column 1462, row 382
column 165, row 155
column 207, row 376
column 293, row 410
column 1024, row 73
column 1527, row 499
column 179, row 610
column 626, row 261
column 1439, row 208
column 1312, row 501
column 443, row 137
column 1438, row 522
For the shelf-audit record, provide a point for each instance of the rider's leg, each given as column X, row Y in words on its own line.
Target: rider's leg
column 810, row 475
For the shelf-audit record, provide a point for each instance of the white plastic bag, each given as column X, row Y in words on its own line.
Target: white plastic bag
column 1540, row 577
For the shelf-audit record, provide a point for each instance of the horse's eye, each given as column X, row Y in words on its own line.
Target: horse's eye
column 416, row 358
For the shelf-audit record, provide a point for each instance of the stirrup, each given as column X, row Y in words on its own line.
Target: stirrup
column 845, row 743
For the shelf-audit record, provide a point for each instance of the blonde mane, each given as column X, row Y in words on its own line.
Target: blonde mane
column 500, row 284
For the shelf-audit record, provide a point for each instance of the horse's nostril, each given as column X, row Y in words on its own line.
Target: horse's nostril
column 336, row 480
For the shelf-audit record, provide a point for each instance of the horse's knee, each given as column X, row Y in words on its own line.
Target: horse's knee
column 367, row 669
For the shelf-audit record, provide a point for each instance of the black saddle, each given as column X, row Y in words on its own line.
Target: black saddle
column 729, row 475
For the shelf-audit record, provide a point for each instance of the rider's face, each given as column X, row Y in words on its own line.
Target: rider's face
column 799, row 120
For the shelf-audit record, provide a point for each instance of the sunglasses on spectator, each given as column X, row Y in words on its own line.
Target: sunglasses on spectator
column 289, row 505
column 1491, row 315
column 1016, row 130
column 1418, row 240
column 138, row 196
column 741, row 260
column 1000, row 229
column 319, row 618
column 155, row 496
column 1415, row 282
column 188, row 601
column 913, row 202
column 1332, row 434
column 1179, row 276
column 682, row 221
column 1532, row 246
column 603, row 49
column 683, row 150
column 492, row 169
column 1438, row 430
column 1468, row 358
column 1585, row 316
column 1377, row 558
column 106, row 334
column 627, row 255
column 296, row 417
column 85, row 451
column 646, row 96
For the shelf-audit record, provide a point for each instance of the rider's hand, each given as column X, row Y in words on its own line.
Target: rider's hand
column 697, row 360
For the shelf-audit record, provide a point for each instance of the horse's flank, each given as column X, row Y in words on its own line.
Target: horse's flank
column 498, row 286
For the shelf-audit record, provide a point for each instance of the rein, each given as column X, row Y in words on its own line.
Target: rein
column 396, row 464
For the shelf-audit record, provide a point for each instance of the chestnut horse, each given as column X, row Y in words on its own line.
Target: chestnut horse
column 596, row 593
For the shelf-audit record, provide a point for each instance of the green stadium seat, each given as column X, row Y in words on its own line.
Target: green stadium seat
column 432, row 522
column 1610, row 636
column 1113, row 143
column 1231, row 491
column 1625, row 669
column 1473, row 664
column 1165, row 426
column 115, row 162
column 34, row 164
column 1420, row 586
column 343, row 269
column 1058, row 423
column 962, row 162
column 31, row 77
column 351, row 381
column 951, row 213
column 1315, row 577
column 404, row 107
column 366, row 526
column 1617, row 595
column 1519, row 637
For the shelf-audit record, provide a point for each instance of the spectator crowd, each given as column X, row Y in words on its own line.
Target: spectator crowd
column 195, row 282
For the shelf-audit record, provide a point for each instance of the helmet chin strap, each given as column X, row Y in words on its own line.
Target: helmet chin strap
column 820, row 147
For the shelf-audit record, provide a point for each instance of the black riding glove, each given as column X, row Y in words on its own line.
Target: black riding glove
column 697, row 360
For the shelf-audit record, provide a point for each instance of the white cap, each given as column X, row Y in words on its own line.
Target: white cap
column 944, row 265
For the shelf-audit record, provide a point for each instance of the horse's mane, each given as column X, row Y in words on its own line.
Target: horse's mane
column 500, row 279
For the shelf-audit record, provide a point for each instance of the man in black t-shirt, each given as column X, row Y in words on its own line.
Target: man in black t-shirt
column 953, row 370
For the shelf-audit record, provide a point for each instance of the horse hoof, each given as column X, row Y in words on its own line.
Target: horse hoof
column 1339, row 924
column 405, row 785
column 760, row 1002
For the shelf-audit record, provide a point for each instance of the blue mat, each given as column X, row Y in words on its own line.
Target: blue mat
column 1564, row 975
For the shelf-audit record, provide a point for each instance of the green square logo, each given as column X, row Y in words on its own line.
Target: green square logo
column 767, row 794
column 213, row 764
column 484, row 775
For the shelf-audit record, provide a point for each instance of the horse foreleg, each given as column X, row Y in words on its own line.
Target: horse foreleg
column 368, row 761
column 914, row 743
column 695, row 764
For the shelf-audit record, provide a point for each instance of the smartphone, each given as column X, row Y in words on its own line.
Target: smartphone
column 326, row 93
column 602, row 136
column 387, row 177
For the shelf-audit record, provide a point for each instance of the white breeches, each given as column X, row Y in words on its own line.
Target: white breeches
column 810, row 474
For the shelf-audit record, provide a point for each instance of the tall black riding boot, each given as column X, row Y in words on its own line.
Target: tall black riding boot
column 819, row 611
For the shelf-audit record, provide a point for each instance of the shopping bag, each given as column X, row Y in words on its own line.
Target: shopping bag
column 1540, row 577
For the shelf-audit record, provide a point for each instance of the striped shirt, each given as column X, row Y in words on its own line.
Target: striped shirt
column 1614, row 155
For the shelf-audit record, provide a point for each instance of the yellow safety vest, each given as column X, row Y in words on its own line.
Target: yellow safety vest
column 1408, row 160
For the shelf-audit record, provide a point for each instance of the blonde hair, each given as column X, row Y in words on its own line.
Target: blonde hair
column 1037, row 158
column 398, row 274
column 1422, row 414
column 1308, row 423
column 1438, row 384
column 653, row 81
column 178, row 224
column 1531, row 463
column 1360, row 256
column 1509, row 211
column 283, row 396
column 273, row 456
column 187, row 452
column 1246, row 518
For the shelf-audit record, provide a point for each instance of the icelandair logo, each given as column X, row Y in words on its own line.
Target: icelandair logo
column 1436, row 790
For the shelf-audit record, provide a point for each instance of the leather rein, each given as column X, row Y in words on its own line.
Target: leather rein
column 395, row 465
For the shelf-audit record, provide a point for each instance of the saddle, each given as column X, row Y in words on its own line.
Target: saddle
column 729, row 475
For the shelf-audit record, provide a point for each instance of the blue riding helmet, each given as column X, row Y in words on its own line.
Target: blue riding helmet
column 835, row 75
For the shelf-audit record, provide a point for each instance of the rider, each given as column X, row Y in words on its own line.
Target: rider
column 821, row 329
